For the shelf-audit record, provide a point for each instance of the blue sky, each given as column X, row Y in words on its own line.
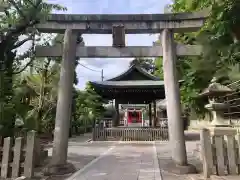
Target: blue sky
column 111, row 67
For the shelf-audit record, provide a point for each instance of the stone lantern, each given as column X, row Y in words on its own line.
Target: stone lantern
column 213, row 92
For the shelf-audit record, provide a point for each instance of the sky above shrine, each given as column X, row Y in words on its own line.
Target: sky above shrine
column 111, row 66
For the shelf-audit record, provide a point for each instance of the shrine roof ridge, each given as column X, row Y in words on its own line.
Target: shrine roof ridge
column 130, row 83
column 126, row 17
column 139, row 69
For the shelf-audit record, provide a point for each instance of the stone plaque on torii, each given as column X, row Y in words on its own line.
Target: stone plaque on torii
column 119, row 25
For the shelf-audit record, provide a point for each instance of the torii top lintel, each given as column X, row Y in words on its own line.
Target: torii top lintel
column 133, row 23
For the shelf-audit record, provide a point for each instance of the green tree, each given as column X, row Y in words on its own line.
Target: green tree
column 158, row 70
column 220, row 49
column 95, row 102
column 81, row 112
column 42, row 81
column 44, row 85
column 89, row 107
column 17, row 19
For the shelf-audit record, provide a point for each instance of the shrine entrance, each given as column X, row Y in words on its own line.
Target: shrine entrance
column 118, row 26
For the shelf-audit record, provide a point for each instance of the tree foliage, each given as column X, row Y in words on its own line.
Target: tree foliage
column 29, row 85
column 18, row 20
column 89, row 107
column 220, row 44
column 41, row 93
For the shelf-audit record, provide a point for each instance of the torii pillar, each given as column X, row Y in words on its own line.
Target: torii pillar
column 172, row 93
column 64, row 104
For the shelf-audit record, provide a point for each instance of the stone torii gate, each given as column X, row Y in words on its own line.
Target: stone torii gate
column 118, row 25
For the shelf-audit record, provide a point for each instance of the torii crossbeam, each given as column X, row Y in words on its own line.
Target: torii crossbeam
column 133, row 23
column 112, row 52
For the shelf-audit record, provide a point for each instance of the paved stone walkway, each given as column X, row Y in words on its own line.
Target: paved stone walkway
column 82, row 153
column 124, row 161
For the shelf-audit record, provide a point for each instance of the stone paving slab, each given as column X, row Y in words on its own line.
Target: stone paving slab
column 125, row 161
column 81, row 153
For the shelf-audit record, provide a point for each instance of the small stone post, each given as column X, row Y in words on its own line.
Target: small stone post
column 30, row 154
column 175, row 122
column 64, row 103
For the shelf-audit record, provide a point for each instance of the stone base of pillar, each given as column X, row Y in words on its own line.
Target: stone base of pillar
column 171, row 167
column 59, row 169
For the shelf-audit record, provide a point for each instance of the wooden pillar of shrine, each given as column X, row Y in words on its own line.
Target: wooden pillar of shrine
column 150, row 114
column 117, row 116
column 155, row 114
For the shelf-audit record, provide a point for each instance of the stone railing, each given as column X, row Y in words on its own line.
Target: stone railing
column 17, row 154
column 20, row 155
column 220, row 151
